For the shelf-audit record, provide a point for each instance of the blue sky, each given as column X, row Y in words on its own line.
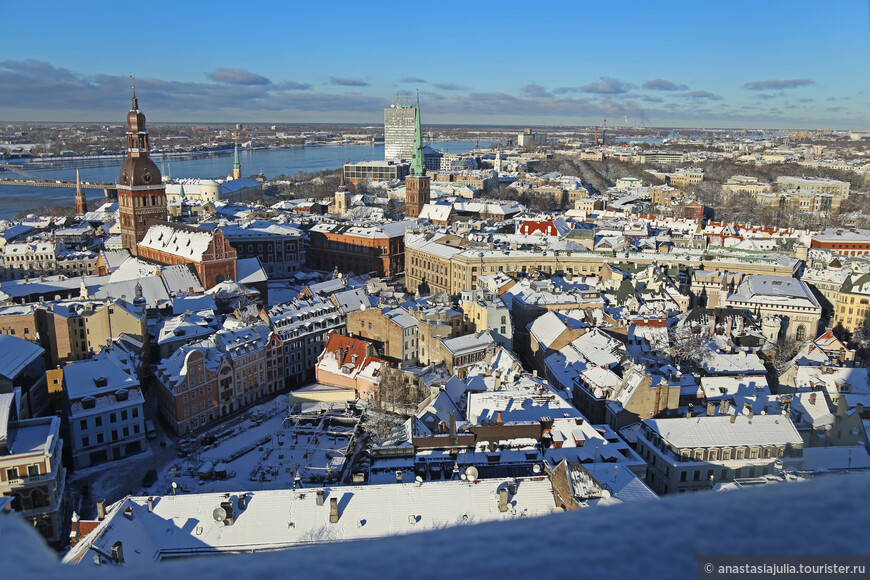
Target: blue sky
column 691, row 64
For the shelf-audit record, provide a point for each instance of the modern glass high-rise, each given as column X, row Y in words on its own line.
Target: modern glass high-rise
column 399, row 132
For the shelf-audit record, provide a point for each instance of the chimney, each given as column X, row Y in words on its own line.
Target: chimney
column 498, row 420
column 723, row 407
column 452, row 427
column 733, row 418
column 118, row 552
column 228, row 508
column 101, row 510
column 711, row 409
column 319, row 497
column 812, row 398
column 398, row 476
column 333, row 510
column 503, row 500
column 151, row 504
column 243, row 502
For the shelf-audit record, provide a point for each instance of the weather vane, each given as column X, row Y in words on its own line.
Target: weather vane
column 133, row 78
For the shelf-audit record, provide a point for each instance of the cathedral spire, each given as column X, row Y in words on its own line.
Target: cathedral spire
column 418, row 167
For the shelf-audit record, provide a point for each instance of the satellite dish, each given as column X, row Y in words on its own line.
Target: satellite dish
column 174, row 485
column 536, row 468
column 418, row 479
column 463, row 477
column 605, row 494
column 219, row 514
column 471, row 473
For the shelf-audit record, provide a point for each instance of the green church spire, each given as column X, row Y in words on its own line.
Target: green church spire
column 237, row 167
column 418, row 167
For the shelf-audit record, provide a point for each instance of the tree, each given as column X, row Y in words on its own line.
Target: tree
column 782, row 354
column 686, row 346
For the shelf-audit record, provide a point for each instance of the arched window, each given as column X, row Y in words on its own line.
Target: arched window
column 37, row 498
column 801, row 333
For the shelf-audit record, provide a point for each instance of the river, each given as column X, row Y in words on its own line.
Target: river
column 270, row 162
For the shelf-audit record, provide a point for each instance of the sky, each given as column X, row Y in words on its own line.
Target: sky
column 743, row 64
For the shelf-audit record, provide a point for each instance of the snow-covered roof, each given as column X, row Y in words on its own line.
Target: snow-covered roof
column 90, row 378
column 726, row 431
column 182, row 242
column 525, row 401
column 775, row 291
column 468, row 343
column 279, row 519
column 15, row 354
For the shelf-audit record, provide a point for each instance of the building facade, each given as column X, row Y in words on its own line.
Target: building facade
column 374, row 248
column 399, row 123
column 31, row 471
column 279, row 248
column 693, row 454
column 852, row 311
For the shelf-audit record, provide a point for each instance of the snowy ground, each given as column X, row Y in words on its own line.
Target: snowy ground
column 262, row 448
column 266, row 453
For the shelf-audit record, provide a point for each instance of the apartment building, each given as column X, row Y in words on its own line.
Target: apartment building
column 852, row 310
column 694, row 453
column 31, row 472
column 486, row 311
column 29, row 259
column 208, row 379
column 278, row 247
column 393, row 332
column 105, row 409
column 303, row 325
column 71, row 329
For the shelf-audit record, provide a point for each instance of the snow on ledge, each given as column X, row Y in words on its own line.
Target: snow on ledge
column 656, row 540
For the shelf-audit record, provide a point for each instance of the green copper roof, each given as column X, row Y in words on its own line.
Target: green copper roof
column 418, row 168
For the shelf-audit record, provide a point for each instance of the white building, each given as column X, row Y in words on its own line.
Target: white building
column 695, row 453
column 142, row 530
column 105, row 408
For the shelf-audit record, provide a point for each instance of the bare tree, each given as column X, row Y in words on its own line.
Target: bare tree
column 782, row 353
column 685, row 346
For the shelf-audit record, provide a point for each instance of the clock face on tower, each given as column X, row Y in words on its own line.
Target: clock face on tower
column 147, row 177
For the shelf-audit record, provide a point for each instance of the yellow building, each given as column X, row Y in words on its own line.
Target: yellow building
column 448, row 264
column 852, row 312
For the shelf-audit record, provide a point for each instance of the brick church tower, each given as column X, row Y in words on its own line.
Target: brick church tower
column 417, row 184
column 141, row 193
